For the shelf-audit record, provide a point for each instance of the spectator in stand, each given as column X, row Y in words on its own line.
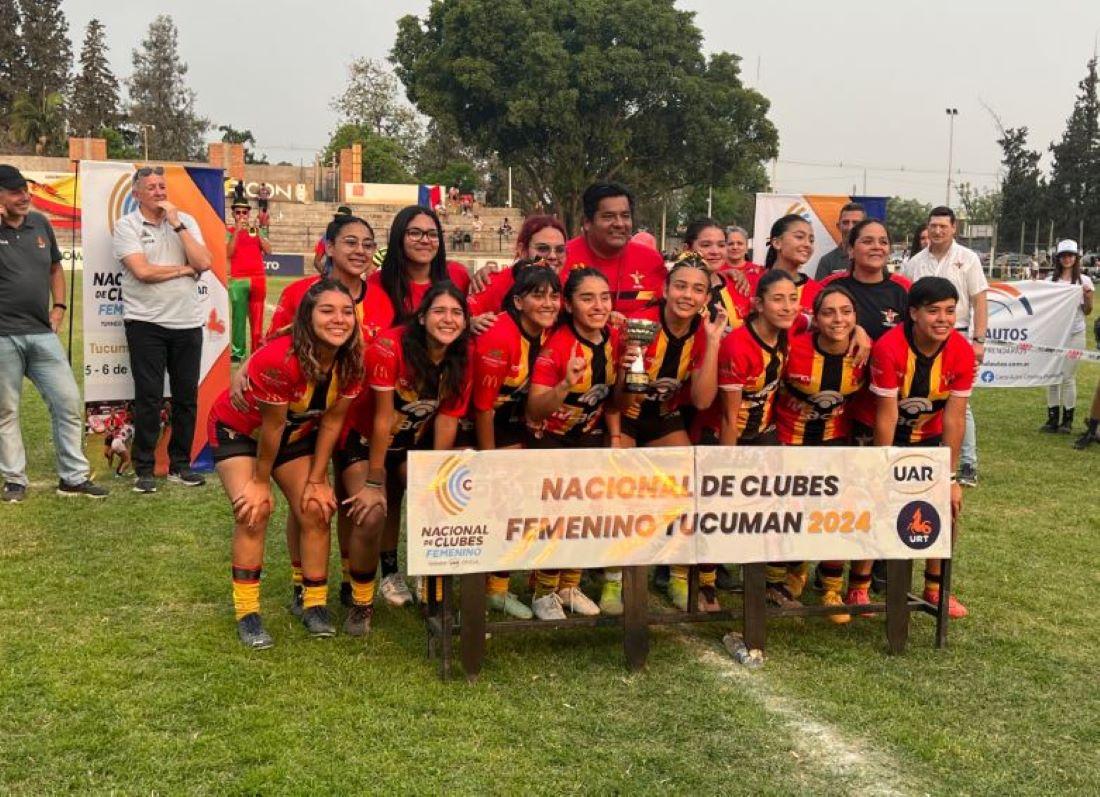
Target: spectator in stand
column 467, row 203
column 238, row 192
column 246, row 246
column 263, row 220
column 838, row 259
column 162, row 255
column 452, row 195
column 505, row 229
column 263, row 196
column 320, row 249
column 477, row 223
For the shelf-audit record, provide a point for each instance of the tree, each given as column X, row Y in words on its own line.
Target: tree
column 230, row 135
column 383, row 158
column 570, row 91
column 903, row 216
column 39, row 122
column 94, row 103
column 123, row 143
column 47, row 53
column 443, row 159
column 1074, row 190
column 1023, row 189
column 979, row 207
column 161, row 100
column 370, row 101
column 11, row 57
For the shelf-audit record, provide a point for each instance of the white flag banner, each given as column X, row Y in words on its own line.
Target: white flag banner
column 475, row 512
column 1029, row 327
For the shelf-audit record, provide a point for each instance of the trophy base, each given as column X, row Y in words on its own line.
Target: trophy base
column 635, row 387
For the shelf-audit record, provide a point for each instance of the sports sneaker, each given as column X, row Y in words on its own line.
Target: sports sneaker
column 796, row 582
column 395, row 591
column 345, row 595
column 832, row 598
column 955, row 609
column 145, row 484
column 250, row 630
column 296, row 601
column 186, row 477
column 678, row 593
column 357, row 623
column 858, row 597
column 708, row 599
column 548, row 607
column 575, row 601
column 777, row 595
column 509, row 604
column 968, row 475
column 318, row 623
column 86, row 488
column 13, row 492
column 611, row 598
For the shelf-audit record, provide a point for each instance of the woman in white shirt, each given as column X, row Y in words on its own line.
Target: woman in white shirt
column 1063, row 395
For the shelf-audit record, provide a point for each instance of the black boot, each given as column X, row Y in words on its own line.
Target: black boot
column 1089, row 437
column 1067, row 421
column 1052, row 420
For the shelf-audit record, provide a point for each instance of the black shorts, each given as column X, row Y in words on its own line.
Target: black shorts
column 509, row 434
column 768, row 437
column 356, row 448
column 552, row 441
column 647, row 430
column 228, row 443
column 862, row 435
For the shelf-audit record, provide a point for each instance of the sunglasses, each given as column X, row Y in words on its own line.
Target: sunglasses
column 544, row 249
column 145, row 171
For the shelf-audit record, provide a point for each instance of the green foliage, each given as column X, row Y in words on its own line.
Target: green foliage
column 11, row 57
column 460, row 173
column 122, row 143
column 979, row 207
column 443, row 159
column 160, row 98
column 39, row 122
column 370, row 100
column 1023, row 189
column 383, row 158
column 568, row 92
column 903, row 216
column 94, row 102
column 47, row 55
column 1074, row 191
column 231, row 135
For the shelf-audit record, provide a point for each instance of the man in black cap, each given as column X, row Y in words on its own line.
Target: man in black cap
column 30, row 271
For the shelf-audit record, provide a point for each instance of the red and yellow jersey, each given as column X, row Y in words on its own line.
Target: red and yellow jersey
column 387, row 370
column 248, row 256
column 814, row 392
column 503, row 362
column 808, row 289
column 736, row 304
column 582, row 412
column 749, row 365
column 275, row 377
column 752, row 271
column 921, row 384
column 636, row 275
column 669, row 361
column 287, row 308
column 378, row 311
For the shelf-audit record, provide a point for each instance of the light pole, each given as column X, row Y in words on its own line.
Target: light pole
column 145, row 138
column 951, row 114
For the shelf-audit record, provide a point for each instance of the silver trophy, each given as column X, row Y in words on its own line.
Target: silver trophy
column 641, row 332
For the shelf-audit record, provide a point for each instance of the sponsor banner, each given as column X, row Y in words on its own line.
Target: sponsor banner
column 822, row 211
column 381, row 193
column 277, row 265
column 55, row 195
column 1032, row 318
column 473, row 512
column 105, row 197
column 1065, row 354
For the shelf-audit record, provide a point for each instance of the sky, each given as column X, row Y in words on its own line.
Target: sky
column 858, row 96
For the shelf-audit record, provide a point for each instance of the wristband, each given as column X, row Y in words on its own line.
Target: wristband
column 60, row 306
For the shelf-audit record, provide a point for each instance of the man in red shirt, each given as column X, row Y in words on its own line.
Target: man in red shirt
column 635, row 273
column 246, row 245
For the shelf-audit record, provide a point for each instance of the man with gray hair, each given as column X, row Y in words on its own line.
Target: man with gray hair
column 162, row 255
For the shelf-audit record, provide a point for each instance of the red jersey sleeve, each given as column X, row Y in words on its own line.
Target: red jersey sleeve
column 456, row 406
column 492, row 359
column 459, row 276
column 698, row 347
column 383, row 361
column 378, row 312
column 283, row 316
column 490, row 299
column 958, row 364
column 884, row 365
column 728, row 376
column 551, row 362
column 271, row 373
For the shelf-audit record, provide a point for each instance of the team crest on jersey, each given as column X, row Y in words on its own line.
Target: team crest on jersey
column 595, row 395
column 664, row 387
column 826, row 400
column 911, row 409
column 889, row 317
column 275, row 377
column 637, row 276
column 41, row 242
column 421, row 409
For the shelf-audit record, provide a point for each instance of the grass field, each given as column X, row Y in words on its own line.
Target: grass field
column 121, row 671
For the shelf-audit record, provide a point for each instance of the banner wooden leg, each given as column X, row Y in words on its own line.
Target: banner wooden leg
column 446, row 623
column 472, row 632
column 943, row 615
column 635, row 617
column 899, row 575
column 755, row 618
column 693, row 589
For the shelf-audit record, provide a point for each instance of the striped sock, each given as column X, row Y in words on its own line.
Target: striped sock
column 362, row 587
column 708, row 575
column 856, row 581
column 497, row 583
column 832, row 576
column 775, row 574
column 296, row 574
column 246, row 591
column 569, row 579
column 678, row 571
column 546, row 581
column 315, row 592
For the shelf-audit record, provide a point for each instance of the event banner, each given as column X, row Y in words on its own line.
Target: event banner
column 822, row 211
column 482, row 511
column 105, row 198
column 1027, row 314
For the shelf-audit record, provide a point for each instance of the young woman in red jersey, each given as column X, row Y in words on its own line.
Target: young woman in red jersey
column 922, row 373
column 682, row 365
column 419, row 376
column 819, row 380
column 568, row 408
column 415, row 260
column 790, row 247
column 300, row 387
column 541, row 239
column 503, row 361
column 729, row 288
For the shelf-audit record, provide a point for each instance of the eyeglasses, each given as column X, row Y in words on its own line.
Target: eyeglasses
column 417, row 234
column 367, row 244
column 145, row 171
column 240, row 212
column 542, row 250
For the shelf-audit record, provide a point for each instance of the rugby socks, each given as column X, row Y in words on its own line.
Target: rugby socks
column 388, row 560
column 708, row 575
column 570, row 579
column 246, row 591
column 855, row 581
column 775, row 574
column 546, row 581
column 497, row 583
column 315, row 592
column 932, row 581
column 832, row 576
column 362, row 586
column 678, row 571
column 612, row 574
column 296, row 575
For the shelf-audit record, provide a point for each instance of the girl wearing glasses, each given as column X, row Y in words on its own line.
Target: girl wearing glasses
column 541, row 238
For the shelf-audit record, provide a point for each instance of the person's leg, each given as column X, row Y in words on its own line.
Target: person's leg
column 184, row 360
column 49, row 370
column 238, row 312
column 1092, row 425
column 291, row 478
column 1054, row 401
column 968, row 454
column 148, row 352
column 363, row 545
column 257, row 295
column 13, row 457
column 1069, row 385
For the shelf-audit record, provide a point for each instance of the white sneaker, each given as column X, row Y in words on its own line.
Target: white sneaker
column 577, row 602
column 548, row 607
column 395, row 591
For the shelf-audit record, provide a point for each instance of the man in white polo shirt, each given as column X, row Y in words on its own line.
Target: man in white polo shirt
column 947, row 258
column 162, row 254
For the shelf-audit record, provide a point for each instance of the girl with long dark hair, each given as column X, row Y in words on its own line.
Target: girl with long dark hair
column 729, row 288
